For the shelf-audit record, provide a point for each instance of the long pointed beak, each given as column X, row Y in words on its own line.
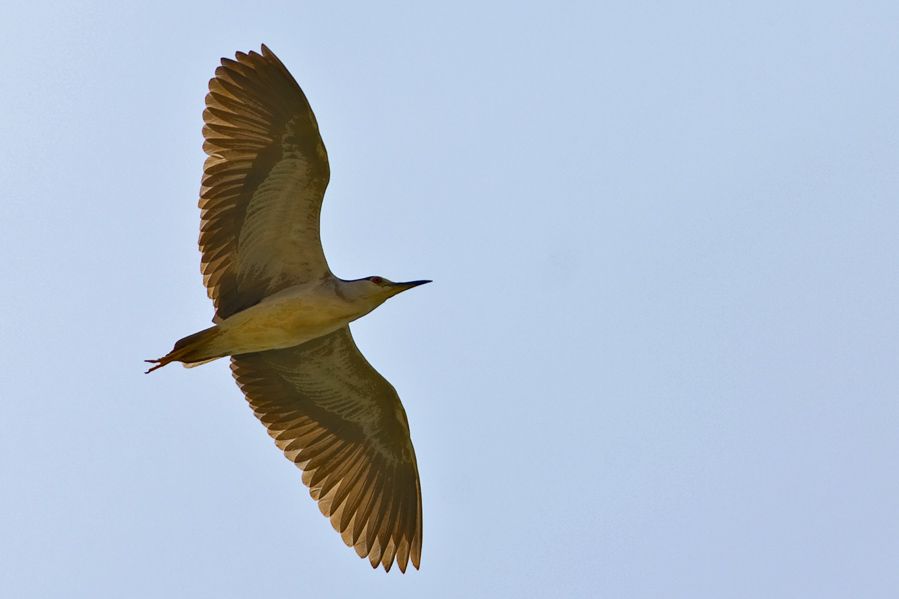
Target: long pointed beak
column 400, row 287
column 411, row 284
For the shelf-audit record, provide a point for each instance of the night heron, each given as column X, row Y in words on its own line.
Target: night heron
column 283, row 316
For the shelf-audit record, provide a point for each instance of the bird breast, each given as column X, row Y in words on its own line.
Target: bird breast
column 289, row 318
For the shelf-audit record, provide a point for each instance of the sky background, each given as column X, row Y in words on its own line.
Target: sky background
column 660, row 357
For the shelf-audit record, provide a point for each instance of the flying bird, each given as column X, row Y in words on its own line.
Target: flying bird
column 283, row 316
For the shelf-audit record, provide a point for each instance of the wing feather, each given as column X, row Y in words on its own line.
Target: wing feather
column 263, row 184
column 343, row 425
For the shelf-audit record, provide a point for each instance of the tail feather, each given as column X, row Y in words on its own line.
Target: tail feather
column 192, row 350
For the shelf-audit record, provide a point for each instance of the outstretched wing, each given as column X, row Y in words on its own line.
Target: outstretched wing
column 343, row 425
column 263, row 184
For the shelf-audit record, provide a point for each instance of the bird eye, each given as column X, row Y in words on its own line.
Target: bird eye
column 376, row 280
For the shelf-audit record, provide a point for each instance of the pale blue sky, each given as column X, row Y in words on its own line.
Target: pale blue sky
column 659, row 358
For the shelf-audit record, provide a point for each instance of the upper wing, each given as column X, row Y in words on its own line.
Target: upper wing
column 343, row 425
column 263, row 184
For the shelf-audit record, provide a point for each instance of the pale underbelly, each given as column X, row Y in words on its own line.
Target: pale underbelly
column 277, row 325
column 252, row 339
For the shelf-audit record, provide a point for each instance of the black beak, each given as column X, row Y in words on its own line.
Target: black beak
column 411, row 284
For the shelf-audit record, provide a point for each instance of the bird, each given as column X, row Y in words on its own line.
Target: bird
column 283, row 317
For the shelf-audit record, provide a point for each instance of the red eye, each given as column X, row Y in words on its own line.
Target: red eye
column 376, row 280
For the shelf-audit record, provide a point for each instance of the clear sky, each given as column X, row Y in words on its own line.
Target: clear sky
column 660, row 357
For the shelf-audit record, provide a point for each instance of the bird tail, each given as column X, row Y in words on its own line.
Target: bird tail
column 192, row 350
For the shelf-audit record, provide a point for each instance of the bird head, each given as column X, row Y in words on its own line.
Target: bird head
column 385, row 288
column 374, row 291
